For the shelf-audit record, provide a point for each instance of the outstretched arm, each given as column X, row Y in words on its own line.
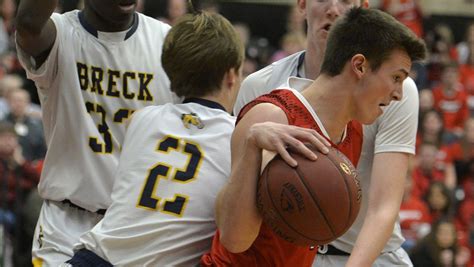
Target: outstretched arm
column 264, row 127
column 385, row 195
column 35, row 31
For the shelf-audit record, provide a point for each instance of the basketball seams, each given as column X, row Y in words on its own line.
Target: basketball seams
column 277, row 210
column 348, row 188
column 315, row 200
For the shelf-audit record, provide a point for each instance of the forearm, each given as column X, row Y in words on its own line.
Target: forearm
column 237, row 216
column 32, row 15
column 35, row 33
column 385, row 194
column 375, row 232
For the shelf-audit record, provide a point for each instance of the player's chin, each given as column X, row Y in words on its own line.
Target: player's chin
column 370, row 118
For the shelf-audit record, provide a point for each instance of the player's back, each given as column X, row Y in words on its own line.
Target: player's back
column 174, row 160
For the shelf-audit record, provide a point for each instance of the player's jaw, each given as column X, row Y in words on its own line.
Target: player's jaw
column 110, row 15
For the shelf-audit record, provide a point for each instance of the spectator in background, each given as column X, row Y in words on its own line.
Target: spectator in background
column 466, row 75
column 250, row 64
column 439, row 200
column 18, row 176
column 440, row 42
column 28, row 128
column 174, row 10
column 440, row 248
column 7, row 16
column 407, row 12
column 450, row 99
column 11, row 82
column 211, row 6
column 291, row 43
column 430, row 168
column 430, row 128
column 7, row 83
column 426, row 101
column 414, row 215
column 463, row 48
column 465, row 164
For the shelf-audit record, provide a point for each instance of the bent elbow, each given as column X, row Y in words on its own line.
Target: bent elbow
column 233, row 243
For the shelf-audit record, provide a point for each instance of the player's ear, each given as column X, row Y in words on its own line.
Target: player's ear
column 301, row 6
column 359, row 65
column 230, row 78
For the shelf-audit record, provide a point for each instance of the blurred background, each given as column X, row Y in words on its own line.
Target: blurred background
column 437, row 212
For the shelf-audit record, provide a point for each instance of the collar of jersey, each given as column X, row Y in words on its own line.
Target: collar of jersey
column 204, row 102
column 90, row 29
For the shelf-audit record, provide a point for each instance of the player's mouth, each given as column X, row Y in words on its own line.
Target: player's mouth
column 127, row 6
column 326, row 27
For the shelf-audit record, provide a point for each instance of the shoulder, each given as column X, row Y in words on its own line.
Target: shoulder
column 265, row 80
column 152, row 24
column 70, row 17
column 280, row 69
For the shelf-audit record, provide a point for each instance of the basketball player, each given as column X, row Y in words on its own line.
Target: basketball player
column 93, row 68
column 175, row 157
column 368, row 57
column 388, row 144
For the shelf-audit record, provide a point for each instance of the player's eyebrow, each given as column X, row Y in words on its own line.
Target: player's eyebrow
column 404, row 71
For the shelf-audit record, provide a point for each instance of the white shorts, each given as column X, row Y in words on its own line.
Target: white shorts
column 397, row 257
column 58, row 230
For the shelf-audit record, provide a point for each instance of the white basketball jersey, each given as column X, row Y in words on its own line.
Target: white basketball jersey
column 175, row 159
column 89, row 85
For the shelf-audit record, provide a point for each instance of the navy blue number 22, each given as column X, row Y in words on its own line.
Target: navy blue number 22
column 176, row 205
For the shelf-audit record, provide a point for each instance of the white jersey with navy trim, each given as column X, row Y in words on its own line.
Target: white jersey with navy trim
column 89, row 85
column 174, row 161
column 393, row 131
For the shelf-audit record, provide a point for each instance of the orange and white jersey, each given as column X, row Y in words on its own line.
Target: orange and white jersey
column 174, row 161
column 89, row 85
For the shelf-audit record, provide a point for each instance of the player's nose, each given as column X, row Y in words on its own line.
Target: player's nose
column 397, row 94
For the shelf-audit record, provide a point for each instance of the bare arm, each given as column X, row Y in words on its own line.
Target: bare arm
column 35, row 30
column 236, row 213
column 385, row 195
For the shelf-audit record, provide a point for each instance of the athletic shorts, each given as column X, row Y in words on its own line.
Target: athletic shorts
column 58, row 229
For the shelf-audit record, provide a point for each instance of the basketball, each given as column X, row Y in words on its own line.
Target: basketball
column 313, row 203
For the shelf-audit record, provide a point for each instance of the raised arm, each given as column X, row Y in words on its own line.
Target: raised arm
column 35, row 31
column 264, row 127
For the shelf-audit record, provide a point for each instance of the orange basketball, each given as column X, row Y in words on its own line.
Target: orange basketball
column 313, row 203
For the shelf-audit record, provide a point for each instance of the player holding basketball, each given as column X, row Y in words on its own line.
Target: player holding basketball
column 92, row 68
column 368, row 57
column 386, row 148
column 175, row 156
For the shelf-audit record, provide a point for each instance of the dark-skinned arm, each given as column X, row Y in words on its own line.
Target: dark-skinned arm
column 35, row 31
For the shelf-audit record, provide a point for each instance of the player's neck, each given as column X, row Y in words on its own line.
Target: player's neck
column 331, row 104
column 221, row 99
column 103, row 24
column 312, row 62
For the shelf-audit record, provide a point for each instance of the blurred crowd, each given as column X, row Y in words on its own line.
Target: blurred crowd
column 437, row 210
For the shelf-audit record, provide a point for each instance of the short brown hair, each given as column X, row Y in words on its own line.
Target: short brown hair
column 372, row 33
column 198, row 51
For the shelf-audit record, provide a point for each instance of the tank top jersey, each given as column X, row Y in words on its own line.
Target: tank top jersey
column 174, row 161
column 268, row 249
column 88, row 86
